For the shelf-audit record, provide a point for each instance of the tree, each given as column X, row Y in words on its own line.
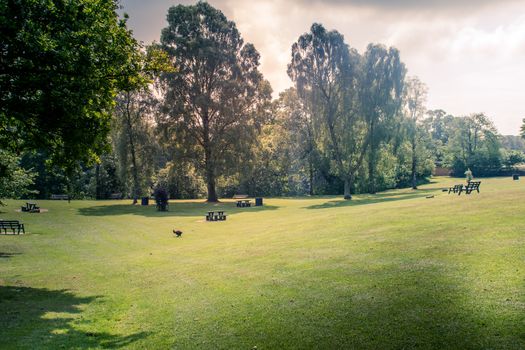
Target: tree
column 415, row 99
column 295, row 123
column 326, row 72
column 62, row 63
column 475, row 145
column 522, row 130
column 14, row 180
column 381, row 96
column 216, row 99
column 133, row 138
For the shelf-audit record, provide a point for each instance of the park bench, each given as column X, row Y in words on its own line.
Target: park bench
column 455, row 189
column 115, row 196
column 30, row 207
column 60, row 196
column 215, row 216
column 471, row 186
column 13, row 225
column 243, row 203
column 240, row 196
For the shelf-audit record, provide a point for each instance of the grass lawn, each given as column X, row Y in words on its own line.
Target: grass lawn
column 387, row 271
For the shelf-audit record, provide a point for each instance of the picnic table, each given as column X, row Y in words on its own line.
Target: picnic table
column 243, row 203
column 30, row 207
column 468, row 189
column 215, row 216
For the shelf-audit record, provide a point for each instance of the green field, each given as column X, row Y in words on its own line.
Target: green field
column 387, row 271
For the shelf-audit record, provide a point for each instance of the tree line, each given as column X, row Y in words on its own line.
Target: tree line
column 90, row 111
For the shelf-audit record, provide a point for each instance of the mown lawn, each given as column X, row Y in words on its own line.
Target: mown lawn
column 387, row 271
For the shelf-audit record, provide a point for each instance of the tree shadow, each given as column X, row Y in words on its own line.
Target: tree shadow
column 7, row 255
column 365, row 199
column 175, row 209
column 43, row 318
column 394, row 304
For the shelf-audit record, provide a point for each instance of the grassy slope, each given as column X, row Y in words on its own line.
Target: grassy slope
column 394, row 270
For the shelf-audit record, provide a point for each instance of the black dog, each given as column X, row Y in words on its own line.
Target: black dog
column 178, row 233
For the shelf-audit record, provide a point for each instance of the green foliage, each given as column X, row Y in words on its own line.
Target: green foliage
column 215, row 100
column 135, row 142
column 381, row 97
column 15, row 181
column 62, row 64
column 512, row 158
column 474, row 144
column 326, row 74
column 181, row 181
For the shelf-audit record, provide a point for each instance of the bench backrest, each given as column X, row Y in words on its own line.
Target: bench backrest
column 9, row 222
column 473, row 184
column 59, row 196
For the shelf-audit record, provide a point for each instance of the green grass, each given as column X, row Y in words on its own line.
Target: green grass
column 387, row 271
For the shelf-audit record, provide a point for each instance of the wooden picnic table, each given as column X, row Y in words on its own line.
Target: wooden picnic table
column 216, row 216
column 30, row 207
column 243, row 203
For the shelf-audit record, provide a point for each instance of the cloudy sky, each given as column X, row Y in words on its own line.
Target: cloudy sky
column 470, row 53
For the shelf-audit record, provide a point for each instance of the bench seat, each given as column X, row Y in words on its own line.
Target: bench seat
column 12, row 225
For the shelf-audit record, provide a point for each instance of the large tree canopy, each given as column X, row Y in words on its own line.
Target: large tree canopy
column 61, row 64
column 215, row 96
column 326, row 73
column 381, row 98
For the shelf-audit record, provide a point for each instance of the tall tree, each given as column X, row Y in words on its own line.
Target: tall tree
column 14, row 180
column 381, row 96
column 522, row 130
column 133, row 118
column 475, row 145
column 326, row 74
column 215, row 98
column 133, row 138
column 62, row 63
column 295, row 119
column 415, row 97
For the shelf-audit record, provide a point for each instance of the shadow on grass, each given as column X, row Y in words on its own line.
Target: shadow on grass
column 402, row 304
column 175, row 209
column 40, row 318
column 7, row 255
column 373, row 199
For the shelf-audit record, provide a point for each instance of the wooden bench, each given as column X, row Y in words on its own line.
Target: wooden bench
column 13, row 225
column 455, row 189
column 240, row 196
column 115, row 196
column 471, row 186
column 216, row 216
column 30, row 207
column 243, row 203
column 60, row 196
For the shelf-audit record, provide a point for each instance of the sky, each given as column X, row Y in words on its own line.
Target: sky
column 470, row 53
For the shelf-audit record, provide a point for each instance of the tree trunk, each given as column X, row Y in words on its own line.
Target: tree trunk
column 212, row 194
column 311, row 175
column 414, row 164
column 371, row 171
column 348, row 188
column 134, row 170
column 210, row 177
column 372, row 160
column 97, row 181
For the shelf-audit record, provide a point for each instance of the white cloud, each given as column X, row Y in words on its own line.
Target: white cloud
column 470, row 53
